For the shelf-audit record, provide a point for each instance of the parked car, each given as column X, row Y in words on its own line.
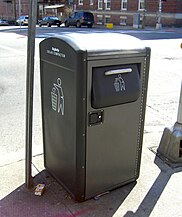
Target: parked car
column 49, row 21
column 22, row 20
column 80, row 18
column 3, row 22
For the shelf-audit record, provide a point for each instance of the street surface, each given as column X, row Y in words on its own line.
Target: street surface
column 163, row 91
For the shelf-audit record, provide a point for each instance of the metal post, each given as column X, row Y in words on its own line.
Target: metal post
column 29, row 90
column 179, row 117
column 14, row 9
column 19, row 2
column 143, row 15
column 159, row 25
column 105, row 3
column 160, row 10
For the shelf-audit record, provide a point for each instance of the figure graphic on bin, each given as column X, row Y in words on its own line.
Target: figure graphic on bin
column 57, row 97
column 119, row 84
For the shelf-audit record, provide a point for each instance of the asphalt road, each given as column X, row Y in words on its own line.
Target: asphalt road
column 163, row 92
column 143, row 34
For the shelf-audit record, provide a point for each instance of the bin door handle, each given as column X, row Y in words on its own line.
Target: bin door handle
column 118, row 71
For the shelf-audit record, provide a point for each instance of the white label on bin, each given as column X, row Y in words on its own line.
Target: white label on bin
column 119, row 84
column 56, row 52
column 57, row 97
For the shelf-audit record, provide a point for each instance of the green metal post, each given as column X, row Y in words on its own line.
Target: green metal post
column 29, row 89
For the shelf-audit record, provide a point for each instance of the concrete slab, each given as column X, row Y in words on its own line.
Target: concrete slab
column 157, row 192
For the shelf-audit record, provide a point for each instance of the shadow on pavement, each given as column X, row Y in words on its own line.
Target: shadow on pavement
column 56, row 202
column 153, row 195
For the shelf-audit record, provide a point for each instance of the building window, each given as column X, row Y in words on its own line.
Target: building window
column 123, row 20
column 124, row 5
column 108, row 18
column 41, row 10
column 100, row 4
column 107, row 4
column 91, row 2
column 99, row 19
column 80, row 2
column 141, row 5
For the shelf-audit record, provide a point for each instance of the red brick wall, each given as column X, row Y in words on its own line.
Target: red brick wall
column 24, row 7
column 115, row 5
column 132, row 5
column 152, row 5
column 86, row 5
column 150, row 21
column 178, row 6
column 170, row 6
column 6, row 10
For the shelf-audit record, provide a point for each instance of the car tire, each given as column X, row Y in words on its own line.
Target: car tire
column 78, row 24
column 58, row 25
column 48, row 25
column 40, row 25
column 66, row 24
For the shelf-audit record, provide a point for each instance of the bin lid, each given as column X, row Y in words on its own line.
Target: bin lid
column 95, row 43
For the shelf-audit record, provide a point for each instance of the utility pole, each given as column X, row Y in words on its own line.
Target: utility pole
column 19, row 7
column 105, row 3
column 19, row 3
column 159, row 24
column 14, row 3
column 143, row 15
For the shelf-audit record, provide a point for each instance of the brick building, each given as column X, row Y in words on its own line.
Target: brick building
column 12, row 9
column 122, row 12
column 118, row 12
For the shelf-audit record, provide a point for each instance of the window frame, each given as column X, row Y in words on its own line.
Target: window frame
column 107, row 18
column 124, row 18
column 106, row 4
column 140, row 2
column 80, row 2
column 101, row 17
column 122, row 5
column 100, row 3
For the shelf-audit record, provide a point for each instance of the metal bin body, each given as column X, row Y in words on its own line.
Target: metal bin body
column 93, row 94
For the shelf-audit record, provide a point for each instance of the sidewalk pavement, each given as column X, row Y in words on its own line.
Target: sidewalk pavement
column 156, row 193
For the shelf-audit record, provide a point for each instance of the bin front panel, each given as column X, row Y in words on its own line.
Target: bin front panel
column 112, row 149
column 114, row 85
column 114, row 144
